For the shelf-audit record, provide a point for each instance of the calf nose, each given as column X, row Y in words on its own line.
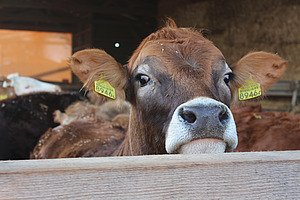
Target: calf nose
column 205, row 118
column 201, row 118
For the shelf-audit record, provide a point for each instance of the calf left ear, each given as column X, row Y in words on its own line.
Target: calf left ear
column 92, row 65
column 263, row 68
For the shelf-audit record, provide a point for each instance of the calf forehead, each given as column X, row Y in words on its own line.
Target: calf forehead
column 191, row 64
column 192, row 53
column 175, row 44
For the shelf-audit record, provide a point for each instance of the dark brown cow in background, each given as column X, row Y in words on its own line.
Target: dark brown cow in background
column 180, row 89
column 25, row 118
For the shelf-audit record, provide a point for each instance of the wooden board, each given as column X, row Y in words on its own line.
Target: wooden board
column 255, row 175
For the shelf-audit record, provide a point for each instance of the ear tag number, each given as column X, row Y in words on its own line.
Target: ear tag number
column 249, row 90
column 103, row 87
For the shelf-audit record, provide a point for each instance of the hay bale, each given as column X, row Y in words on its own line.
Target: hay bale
column 237, row 27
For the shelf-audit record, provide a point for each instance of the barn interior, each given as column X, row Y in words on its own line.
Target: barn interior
column 236, row 28
column 119, row 26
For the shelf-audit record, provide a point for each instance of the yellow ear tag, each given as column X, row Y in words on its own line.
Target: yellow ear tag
column 3, row 96
column 103, row 87
column 249, row 90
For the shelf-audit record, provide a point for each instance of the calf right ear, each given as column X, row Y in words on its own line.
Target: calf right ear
column 91, row 65
column 262, row 67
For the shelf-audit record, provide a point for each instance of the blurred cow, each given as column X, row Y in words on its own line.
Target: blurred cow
column 14, row 84
column 25, row 118
column 85, row 130
column 266, row 131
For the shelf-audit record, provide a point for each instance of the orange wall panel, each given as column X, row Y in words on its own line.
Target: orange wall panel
column 41, row 55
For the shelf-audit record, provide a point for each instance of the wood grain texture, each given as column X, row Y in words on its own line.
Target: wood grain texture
column 255, row 175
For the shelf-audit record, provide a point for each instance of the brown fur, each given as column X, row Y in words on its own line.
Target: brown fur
column 121, row 120
column 93, row 64
column 80, row 138
column 262, row 67
column 86, row 130
column 266, row 131
column 87, row 111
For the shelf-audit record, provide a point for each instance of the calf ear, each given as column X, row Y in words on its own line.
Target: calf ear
column 91, row 65
column 263, row 68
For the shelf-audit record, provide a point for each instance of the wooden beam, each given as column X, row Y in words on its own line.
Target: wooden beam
column 69, row 6
column 40, row 27
column 51, row 72
column 67, row 20
column 41, row 18
column 255, row 175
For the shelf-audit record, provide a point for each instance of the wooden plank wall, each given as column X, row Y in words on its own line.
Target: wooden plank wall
column 255, row 175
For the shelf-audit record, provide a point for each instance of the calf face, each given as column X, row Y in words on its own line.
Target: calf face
column 180, row 89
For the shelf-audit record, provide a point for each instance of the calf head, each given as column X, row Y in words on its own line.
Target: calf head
column 180, row 89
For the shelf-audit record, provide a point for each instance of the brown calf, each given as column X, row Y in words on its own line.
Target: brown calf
column 180, row 89
column 85, row 130
column 266, row 131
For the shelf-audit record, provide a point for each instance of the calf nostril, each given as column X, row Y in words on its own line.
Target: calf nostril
column 223, row 116
column 188, row 116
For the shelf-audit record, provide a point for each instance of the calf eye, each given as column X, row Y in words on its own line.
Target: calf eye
column 228, row 77
column 143, row 79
